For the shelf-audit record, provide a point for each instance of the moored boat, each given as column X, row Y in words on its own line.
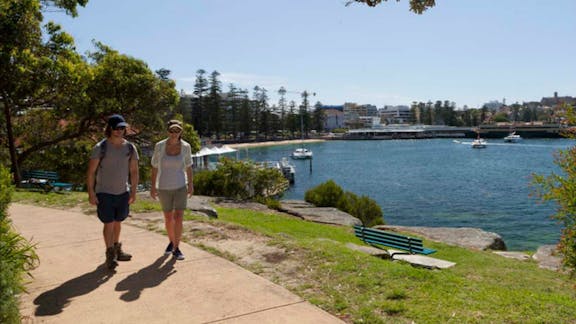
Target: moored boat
column 302, row 153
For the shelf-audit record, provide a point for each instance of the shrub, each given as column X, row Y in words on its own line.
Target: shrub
column 329, row 194
column 17, row 256
column 242, row 180
column 561, row 189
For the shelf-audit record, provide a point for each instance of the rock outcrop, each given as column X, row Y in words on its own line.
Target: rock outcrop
column 472, row 238
column 547, row 258
column 326, row 215
column 202, row 205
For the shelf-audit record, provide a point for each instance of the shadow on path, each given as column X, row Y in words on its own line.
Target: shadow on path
column 151, row 276
column 53, row 301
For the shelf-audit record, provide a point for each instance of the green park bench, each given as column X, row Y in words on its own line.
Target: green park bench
column 376, row 237
column 44, row 181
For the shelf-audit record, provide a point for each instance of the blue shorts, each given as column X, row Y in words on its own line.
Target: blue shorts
column 113, row 208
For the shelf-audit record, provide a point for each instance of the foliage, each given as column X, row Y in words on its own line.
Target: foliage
column 46, row 82
column 561, row 188
column 417, row 6
column 242, row 180
column 17, row 256
column 329, row 194
column 500, row 118
column 482, row 288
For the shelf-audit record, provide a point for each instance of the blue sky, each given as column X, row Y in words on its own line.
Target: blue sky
column 466, row 51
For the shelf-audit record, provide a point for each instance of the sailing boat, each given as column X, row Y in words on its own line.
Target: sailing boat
column 301, row 153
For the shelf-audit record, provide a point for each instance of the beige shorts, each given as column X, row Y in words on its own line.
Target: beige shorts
column 173, row 199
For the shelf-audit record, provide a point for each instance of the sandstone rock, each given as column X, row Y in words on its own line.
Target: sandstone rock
column 514, row 255
column 467, row 237
column 547, row 258
column 327, row 215
column 201, row 205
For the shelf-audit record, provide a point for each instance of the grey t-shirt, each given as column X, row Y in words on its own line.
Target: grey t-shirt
column 113, row 172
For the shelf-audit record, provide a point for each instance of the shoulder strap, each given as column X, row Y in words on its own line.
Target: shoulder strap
column 131, row 149
column 103, row 145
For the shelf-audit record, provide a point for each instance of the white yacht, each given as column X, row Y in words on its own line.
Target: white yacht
column 512, row 138
column 479, row 143
column 302, row 153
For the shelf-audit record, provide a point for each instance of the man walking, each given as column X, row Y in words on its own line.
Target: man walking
column 112, row 180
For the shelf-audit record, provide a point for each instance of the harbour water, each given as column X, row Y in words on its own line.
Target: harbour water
column 438, row 182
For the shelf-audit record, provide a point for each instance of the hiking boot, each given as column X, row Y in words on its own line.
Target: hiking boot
column 110, row 256
column 121, row 255
column 178, row 254
column 169, row 249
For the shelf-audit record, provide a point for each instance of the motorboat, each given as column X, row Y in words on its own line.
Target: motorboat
column 302, row 153
column 288, row 169
column 512, row 138
column 479, row 143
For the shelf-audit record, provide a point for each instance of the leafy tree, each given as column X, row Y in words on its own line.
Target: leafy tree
column 46, row 82
column 318, row 117
column 305, row 119
column 293, row 119
column 232, row 116
column 500, row 117
column 214, row 111
column 417, row 6
column 199, row 113
column 282, row 107
column 561, row 188
column 36, row 72
column 246, row 119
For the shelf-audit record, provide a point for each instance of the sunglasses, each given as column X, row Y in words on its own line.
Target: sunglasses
column 120, row 128
column 174, row 131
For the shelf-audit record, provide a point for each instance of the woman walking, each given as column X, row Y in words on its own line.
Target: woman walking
column 172, row 182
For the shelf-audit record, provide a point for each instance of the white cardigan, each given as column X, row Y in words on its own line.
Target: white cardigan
column 160, row 152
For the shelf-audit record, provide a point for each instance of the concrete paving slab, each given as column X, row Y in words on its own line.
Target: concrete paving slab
column 423, row 261
column 72, row 286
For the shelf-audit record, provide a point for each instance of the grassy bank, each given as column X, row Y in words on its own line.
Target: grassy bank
column 481, row 288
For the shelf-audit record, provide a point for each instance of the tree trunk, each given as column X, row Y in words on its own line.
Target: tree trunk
column 15, row 169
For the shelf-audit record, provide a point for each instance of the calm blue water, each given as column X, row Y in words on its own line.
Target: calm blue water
column 438, row 182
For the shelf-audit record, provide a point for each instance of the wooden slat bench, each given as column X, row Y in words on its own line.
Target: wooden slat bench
column 43, row 180
column 377, row 237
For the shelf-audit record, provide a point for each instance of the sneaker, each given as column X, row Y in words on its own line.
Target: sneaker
column 169, row 249
column 178, row 254
column 121, row 255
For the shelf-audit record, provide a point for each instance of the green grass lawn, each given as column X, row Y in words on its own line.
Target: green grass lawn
column 481, row 288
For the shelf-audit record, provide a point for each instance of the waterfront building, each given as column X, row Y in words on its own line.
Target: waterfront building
column 353, row 112
column 395, row 114
column 333, row 117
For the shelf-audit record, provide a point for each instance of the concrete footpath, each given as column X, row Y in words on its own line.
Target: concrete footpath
column 72, row 285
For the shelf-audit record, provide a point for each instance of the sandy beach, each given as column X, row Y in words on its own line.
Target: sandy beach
column 273, row 143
